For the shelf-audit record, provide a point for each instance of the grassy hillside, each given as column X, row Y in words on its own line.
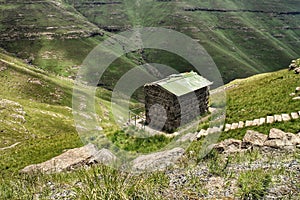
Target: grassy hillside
column 243, row 37
column 37, row 124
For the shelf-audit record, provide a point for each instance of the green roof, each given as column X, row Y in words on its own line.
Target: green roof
column 184, row 83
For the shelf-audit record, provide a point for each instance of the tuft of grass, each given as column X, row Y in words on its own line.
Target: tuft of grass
column 253, row 184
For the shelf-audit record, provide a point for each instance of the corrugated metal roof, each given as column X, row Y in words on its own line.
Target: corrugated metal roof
column 184, row 83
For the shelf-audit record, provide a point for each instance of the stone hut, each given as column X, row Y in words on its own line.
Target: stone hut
column 176, row 100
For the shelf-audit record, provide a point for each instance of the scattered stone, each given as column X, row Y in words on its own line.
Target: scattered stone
column 249, row 123
column 276, row 143
column 278, row 118
column 202, row 133
column 3, row 68
column 34, row 81
column 294, row 115
column 227, row 127
column 276, row 134
column 253, row 138
column 286, row 117
column 241, row 124
column 278, row 139
column 293, row 94
column 187, row 137
column 234, row 126
column 270, row 119
column 229, row 146
column 157, row 161
column 297, row 89
column 72, row 159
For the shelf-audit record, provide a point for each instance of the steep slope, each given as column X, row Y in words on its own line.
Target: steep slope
column 243, row 37
column 47, row 33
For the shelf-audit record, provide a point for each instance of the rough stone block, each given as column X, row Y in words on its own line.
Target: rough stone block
column 227, row 127
column 262, row 121
column 286, row 117
column 241, row 124
column 249, row 123
column 294, row 115
column 255, row 122
column 254, row 138
column 278, row 118
column 234, row 126
column 270, row 119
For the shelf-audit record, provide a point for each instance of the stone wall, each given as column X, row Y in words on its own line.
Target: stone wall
column 166, row 111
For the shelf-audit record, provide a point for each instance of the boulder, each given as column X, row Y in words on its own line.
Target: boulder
column 288, row 139
column 276, row 143
column 157, row 161
column 280, row 139
column 229, row 146
column 72, row 159
column 253, row 138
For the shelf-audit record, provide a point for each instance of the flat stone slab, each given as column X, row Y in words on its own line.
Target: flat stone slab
column 254, row 138
column 157, row 161
column 72, row 159
column 270, row 119
column 286, row 117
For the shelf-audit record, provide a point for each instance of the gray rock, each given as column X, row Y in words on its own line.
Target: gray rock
column 72, row 159
column 278, row 118
column 277, row 143
column 254, row 138
column 278, row 139
column 229, row 146
column 157, row 161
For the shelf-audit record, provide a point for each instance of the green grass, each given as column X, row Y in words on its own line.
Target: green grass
column 241, row 44
column 262, row 95
column 253, row 184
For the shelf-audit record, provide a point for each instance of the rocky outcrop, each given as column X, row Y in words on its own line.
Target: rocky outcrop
column 276, row 139
column 157, row 161
column 229, row 146
column 73, row 159
column 253, row 138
